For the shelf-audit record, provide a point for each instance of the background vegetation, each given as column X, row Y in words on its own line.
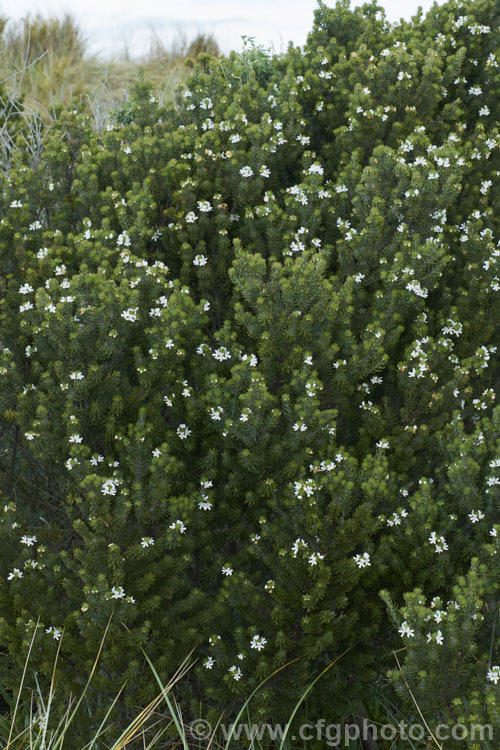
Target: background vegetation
column 45, row 62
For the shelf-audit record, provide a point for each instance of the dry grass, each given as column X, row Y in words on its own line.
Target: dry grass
column 46, row 62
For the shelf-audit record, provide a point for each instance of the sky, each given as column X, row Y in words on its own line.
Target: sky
column 108, row 24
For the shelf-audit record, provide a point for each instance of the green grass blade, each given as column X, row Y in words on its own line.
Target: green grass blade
column 306, row 693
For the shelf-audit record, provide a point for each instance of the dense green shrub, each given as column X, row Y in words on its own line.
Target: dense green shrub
column 248, row 373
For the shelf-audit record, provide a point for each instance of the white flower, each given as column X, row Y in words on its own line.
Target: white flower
column 311, row 388
column 130, row 314
column 16, row 573
column 313, row 559
column 439, row 543
column 222, row 354
column 420, row 291
column 56, row 633
column 308, row 487
column 476, row 515
column 227, row 571
column 383, row 444
column 298, row 544
column 258, row 642
column 75, row 438
column 25, row 289
column 204, row 206
column 246, row 171
column 316, row 169
column 200, row 260
column 251, row 359
column 191, row 217
column 183, row 431
column 405, row 630
column 123, row 239
column 237, row 673
column 394, row 520
column 179, row 525
column 494, row 674
column 76, row 376
column 28, row 540
column 205, row 504
column 264, row 171
column 147, row 541
column 117, row 592
column 215, row 412
column 209, row 662
column 363, row 560
column 439, row 638
column 109, row 487
column 156, row 452
column 16, row 204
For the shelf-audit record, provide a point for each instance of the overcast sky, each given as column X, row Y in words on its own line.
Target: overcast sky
column 108, row 23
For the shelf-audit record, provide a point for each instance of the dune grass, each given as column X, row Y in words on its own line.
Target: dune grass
column 44, row 720
column 46, row 62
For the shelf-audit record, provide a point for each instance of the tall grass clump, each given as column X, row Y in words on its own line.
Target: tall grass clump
column 46, row 62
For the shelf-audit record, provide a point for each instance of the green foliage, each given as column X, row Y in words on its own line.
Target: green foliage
column 253, row 62
column 248, row 376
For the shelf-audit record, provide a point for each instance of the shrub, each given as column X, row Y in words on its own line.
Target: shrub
column 248, row 371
